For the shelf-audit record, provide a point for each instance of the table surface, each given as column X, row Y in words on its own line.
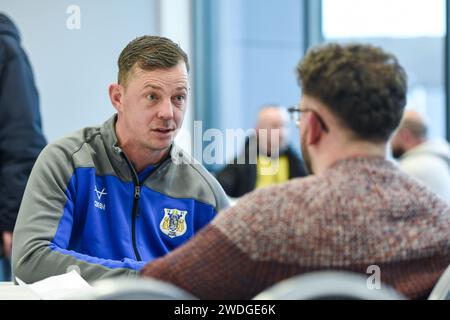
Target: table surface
column 10, row 291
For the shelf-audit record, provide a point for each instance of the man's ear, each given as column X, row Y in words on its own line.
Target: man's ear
column 406, row 134
column 315, row 129
column 115, row 94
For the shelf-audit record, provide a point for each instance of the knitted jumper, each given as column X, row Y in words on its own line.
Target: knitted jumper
column 359, row 212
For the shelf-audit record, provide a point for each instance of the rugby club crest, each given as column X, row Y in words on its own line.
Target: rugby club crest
column 173, row 224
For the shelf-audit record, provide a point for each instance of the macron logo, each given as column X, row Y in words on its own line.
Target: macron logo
column 100, row 194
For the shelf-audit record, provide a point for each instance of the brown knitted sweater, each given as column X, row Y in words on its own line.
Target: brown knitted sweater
column 360, row 212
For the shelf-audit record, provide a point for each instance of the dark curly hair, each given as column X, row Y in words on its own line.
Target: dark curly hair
column 362, row 85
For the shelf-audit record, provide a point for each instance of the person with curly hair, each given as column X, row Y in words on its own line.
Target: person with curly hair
column 356, row 211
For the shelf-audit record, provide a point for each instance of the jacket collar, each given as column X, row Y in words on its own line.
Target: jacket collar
column 108, row 132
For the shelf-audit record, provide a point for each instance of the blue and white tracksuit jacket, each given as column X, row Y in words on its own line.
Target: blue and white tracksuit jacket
column 85, row 206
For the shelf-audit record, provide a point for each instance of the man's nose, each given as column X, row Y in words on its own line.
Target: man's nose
column 165, row 111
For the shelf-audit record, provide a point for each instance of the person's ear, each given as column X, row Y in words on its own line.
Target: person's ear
column 315, row 129
column 115, row 94
column 403, row 136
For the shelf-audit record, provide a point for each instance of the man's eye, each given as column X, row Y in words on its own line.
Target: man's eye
column 151, row 97
column 180, row 98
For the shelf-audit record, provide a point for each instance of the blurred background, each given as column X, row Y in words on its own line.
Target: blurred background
column 243, row 53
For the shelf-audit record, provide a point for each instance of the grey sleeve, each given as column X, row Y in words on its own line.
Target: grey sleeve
column 222, row 201
column 34, row 256
column 215, row 196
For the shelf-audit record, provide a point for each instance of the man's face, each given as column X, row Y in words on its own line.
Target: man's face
column 272, row 131
column 152, row 107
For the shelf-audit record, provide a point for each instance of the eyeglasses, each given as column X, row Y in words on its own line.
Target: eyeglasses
column 295, row 113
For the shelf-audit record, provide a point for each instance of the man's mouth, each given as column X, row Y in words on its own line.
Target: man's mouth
column 163, row 130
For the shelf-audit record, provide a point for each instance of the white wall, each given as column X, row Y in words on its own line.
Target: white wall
column 175, row 23
column 73, row 68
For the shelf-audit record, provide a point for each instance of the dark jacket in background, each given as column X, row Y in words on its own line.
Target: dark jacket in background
column 21, row 137
column 239, row 177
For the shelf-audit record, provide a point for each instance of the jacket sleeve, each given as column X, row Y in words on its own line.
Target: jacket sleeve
column 39, row 250
column 211, row 266
column 222, row 200
column 21, row 137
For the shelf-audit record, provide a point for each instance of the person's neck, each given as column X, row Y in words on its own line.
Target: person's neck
column 142, row 158
column 139, row 156
column 415, row 143
column 337, row 152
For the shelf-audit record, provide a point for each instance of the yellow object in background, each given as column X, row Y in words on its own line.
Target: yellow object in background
column 271, row 171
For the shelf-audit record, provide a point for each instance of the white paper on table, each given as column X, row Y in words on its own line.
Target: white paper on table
column 58, row 287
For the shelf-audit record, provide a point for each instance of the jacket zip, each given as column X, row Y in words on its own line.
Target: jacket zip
column 137, row 196
column 135, row 213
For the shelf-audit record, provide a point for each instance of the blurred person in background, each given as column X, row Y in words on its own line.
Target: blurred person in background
column 426, row 159
column 21, row 136
column 267, row 157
